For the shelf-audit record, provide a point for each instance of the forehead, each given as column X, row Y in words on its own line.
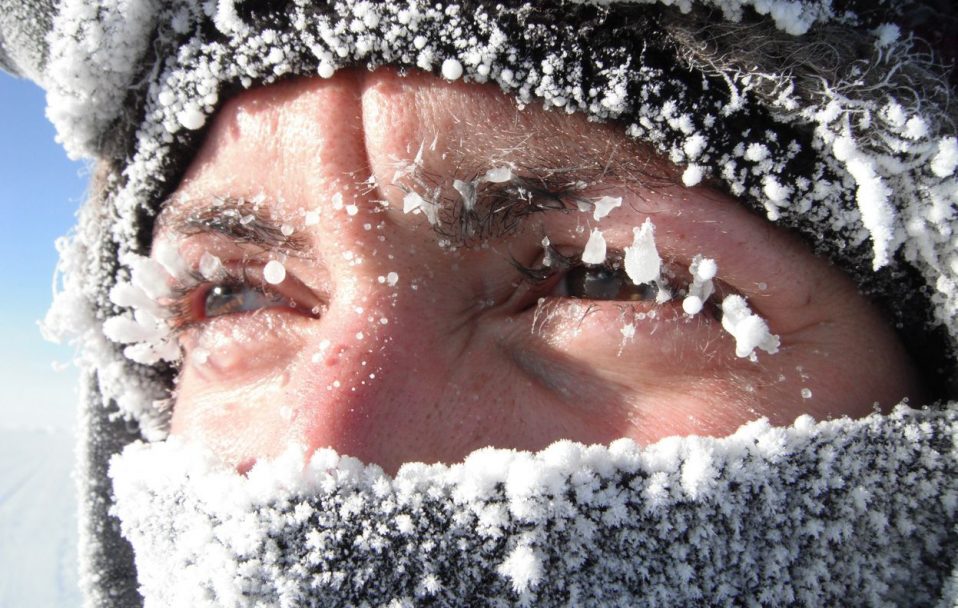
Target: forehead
column 312, row 135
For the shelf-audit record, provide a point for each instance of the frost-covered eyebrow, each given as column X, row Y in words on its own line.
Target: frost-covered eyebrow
column 238, row 219
column 494, row 210
column 471, row 209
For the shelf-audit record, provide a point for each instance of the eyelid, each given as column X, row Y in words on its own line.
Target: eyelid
column 186, row 305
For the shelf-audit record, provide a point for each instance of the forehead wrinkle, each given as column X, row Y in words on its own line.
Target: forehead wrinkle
column 236, row 218
column 559, row 142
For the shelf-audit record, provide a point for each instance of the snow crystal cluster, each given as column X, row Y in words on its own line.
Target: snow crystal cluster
column 749, row 330
column 800, row 514
column 145, row 327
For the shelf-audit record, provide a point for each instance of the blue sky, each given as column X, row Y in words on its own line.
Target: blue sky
column 40, row 190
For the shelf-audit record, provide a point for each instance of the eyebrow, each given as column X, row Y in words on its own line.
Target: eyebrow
column 500, row 209
column 239, row 219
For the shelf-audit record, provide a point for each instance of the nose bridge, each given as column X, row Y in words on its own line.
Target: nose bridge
column 375, row 376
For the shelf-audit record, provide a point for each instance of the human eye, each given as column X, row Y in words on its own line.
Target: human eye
column 238, row 288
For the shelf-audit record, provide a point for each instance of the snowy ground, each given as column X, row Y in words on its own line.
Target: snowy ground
column 37, row 519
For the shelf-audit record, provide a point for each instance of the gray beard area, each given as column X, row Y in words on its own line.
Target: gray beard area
column 842, row 512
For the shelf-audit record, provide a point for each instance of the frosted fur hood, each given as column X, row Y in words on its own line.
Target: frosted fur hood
column 862, row 160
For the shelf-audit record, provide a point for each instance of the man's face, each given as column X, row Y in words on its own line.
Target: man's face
column 321, row 312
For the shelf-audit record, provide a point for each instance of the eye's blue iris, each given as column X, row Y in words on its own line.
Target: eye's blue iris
column 229, row 299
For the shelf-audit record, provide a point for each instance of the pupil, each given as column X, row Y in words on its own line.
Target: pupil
column 594, row 283
column 229, row 299
column 602, row 283
column 223, row 300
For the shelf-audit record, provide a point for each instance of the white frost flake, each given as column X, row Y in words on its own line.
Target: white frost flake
column 274, row 272
column 594, row 252
column 191, row 117
column 451, row 69
column 749, row 330
column 642, row 261
column 523, row 567
column 946, row 159
column 692, row 175
column 604, row 206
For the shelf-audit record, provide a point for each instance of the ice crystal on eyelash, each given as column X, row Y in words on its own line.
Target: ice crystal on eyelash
column 595, row 249
column 749, row 330
column 642, row 261
column 211, row 267
column 143, row 328
column 703, row 270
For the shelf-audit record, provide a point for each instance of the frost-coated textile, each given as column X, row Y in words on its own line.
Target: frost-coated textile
column 834, row 514
column 852, row 144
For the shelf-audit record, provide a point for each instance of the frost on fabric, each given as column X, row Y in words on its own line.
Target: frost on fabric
column 95, row 52
column 762, row 513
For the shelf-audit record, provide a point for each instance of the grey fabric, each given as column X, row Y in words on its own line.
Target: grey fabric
column 24, row 25
column 107, row 576
column 841, row 513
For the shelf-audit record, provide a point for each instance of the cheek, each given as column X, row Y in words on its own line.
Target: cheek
column 233, row 392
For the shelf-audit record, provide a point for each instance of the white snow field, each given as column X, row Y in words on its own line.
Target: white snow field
column 37, row 519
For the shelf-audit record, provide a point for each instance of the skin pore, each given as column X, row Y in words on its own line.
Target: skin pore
column 393, row 342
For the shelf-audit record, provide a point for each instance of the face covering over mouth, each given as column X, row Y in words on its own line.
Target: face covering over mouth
column 847, row 512
column 828, row 119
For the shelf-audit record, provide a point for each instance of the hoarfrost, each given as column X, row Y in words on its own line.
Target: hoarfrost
column 570, row 524
column 946, row 159
column 749, row 330
column 274, row 272
column 191, row 117
column 642, row 261
column 523, row 567
column 605, row 205
column 594, row 251
column 692, row 175
column 451, row 69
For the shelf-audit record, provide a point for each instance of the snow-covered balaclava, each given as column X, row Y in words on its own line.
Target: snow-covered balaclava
column 832, row 119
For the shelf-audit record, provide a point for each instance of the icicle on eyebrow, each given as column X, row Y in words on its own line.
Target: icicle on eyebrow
column 488, row 205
